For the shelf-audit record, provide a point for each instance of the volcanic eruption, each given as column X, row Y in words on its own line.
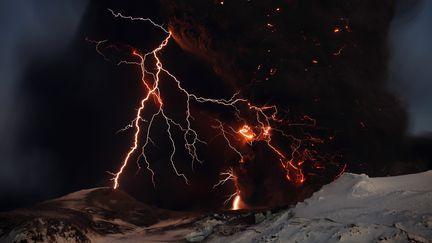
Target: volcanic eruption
column 246, row 121
column 297, row 115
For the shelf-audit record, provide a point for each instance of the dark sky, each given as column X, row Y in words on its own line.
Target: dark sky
column 29, row 31
column 61, row 103
column 410, row 63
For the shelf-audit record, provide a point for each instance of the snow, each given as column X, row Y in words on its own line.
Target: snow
column 74, row 200
column 363, row 197
column 354, row 208
column 154, row 233
column 79, row 195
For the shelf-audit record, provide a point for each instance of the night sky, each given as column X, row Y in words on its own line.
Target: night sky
column 61, row 103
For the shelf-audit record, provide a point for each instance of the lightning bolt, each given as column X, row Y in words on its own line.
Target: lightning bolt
column 230, row 176
column 190, row 136
column 260, row 128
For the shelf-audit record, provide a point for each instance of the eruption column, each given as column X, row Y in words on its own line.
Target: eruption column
column 260, row 128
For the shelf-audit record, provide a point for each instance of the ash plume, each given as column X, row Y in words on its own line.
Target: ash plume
column 316, row 58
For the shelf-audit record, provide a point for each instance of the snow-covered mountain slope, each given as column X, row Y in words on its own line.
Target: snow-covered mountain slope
column 354, row 208
column 82, row 216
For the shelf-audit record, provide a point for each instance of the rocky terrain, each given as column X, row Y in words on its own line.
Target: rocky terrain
column 354, row 208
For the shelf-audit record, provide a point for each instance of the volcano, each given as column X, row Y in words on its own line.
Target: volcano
column 216, row 121
column 354, row 208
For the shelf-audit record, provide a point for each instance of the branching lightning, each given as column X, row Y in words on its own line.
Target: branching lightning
column 153, row 91
column 231, row 176
column 245, row 132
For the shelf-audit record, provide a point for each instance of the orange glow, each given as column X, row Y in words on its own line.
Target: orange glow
column 336, row 30
column 266, row 132
column 247, row 133
column 254, row 123
column 236, row 203
column 150, row 92
column 230, row 176
column 294, row 173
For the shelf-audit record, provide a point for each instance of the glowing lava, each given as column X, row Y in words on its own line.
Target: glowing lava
column 236, row 203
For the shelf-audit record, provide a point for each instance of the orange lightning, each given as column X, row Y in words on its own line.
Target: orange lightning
column 153, row 90
column 237, row 202
column 265, row 122
column 247, row 133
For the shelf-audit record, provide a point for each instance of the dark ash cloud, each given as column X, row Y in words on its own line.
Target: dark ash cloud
column 323, row 59
column 63, row 103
